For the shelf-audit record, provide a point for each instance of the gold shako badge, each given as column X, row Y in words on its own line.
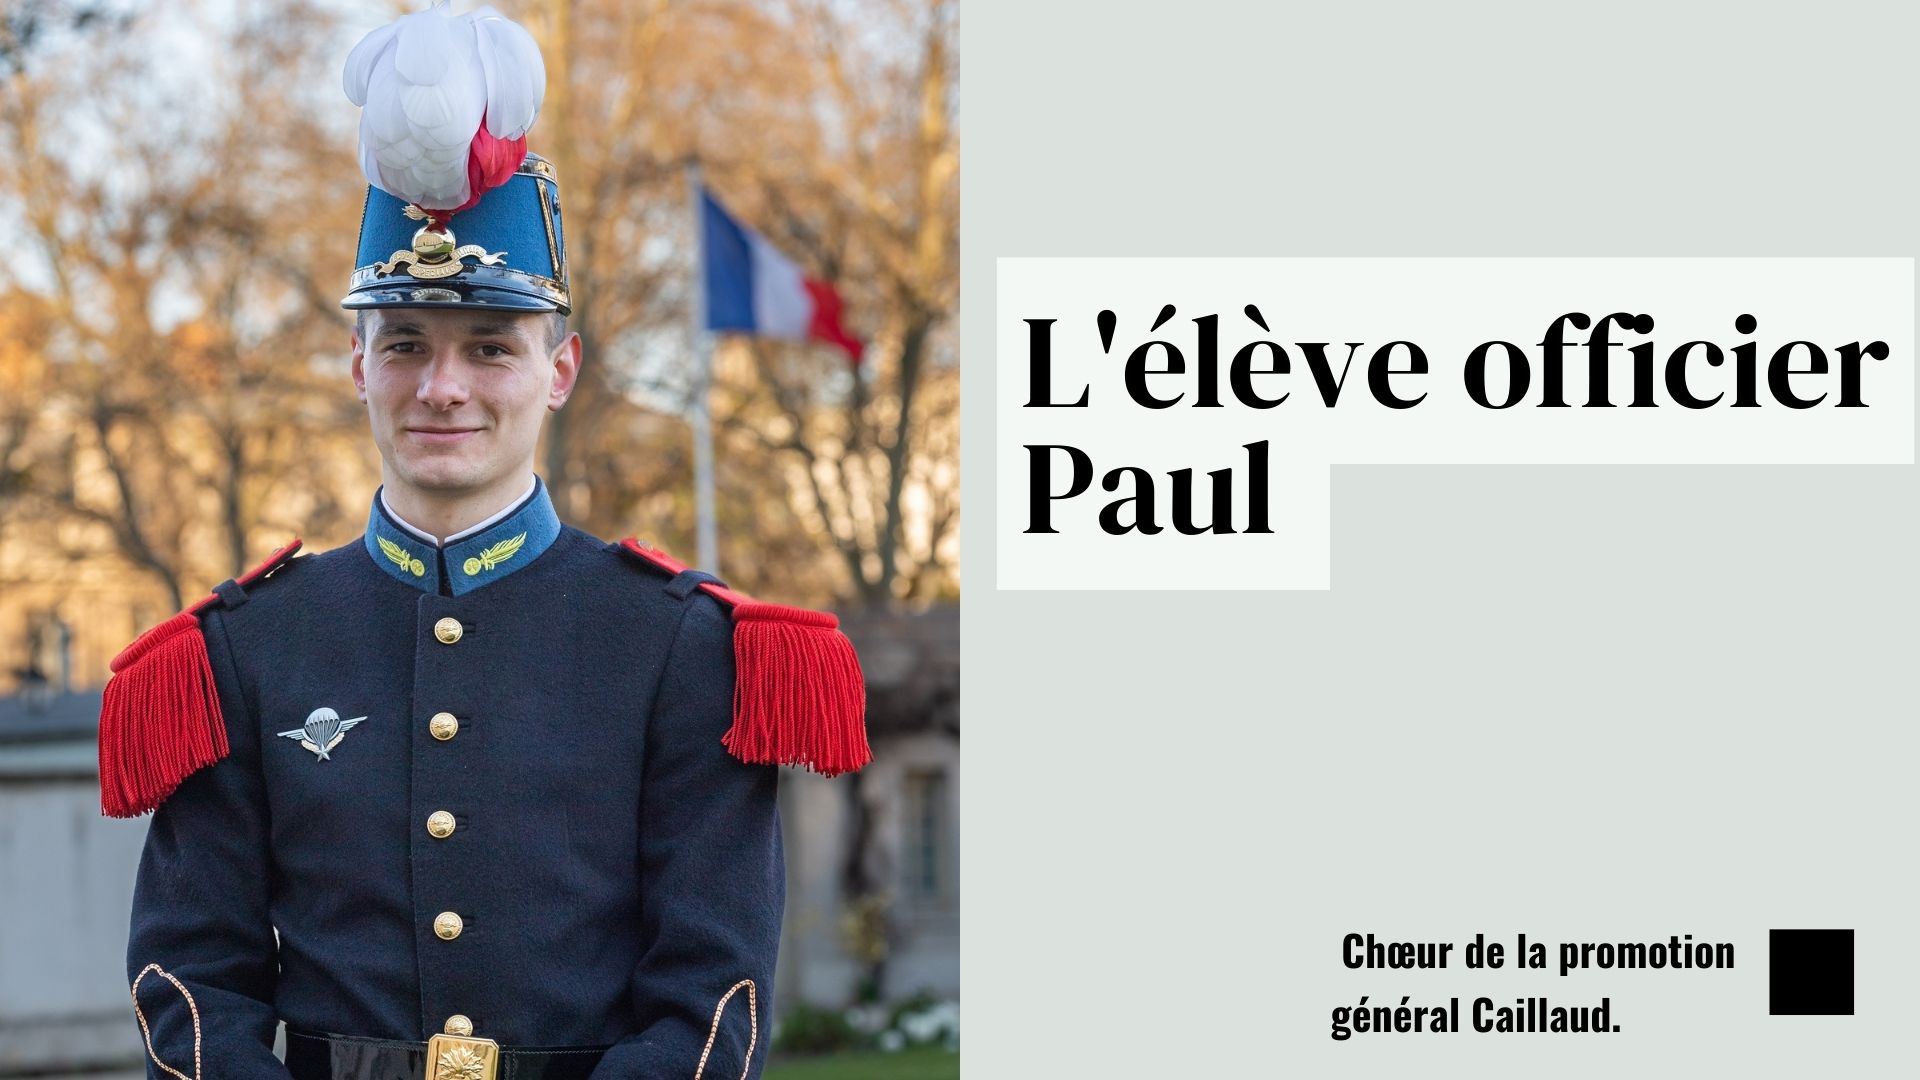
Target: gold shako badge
column 434, row 253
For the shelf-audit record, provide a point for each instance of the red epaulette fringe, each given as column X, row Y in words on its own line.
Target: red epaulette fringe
column 160, row 713
column 799, row 696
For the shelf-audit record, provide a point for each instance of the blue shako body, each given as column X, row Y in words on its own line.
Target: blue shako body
column 518, row 261
column 533, row 823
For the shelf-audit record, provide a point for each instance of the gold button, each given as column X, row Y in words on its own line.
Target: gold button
column 443, row 726
column 447, row 925
column 459, row 1025
column 440, row 823
column 448, row 630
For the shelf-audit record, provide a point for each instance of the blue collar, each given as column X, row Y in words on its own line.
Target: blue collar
column 470, row 562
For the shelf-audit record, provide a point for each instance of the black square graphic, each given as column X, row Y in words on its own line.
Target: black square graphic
column 1810, row 973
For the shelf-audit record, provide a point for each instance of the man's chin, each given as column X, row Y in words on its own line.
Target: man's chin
column 442, row 477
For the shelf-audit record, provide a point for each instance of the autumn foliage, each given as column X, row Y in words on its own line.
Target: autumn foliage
column 179, row 199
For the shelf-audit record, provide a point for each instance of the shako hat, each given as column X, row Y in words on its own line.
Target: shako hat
column 458, row 213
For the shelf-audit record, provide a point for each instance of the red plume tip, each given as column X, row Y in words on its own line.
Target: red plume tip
column 491, row 162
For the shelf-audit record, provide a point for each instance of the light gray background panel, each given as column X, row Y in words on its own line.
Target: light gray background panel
column 1585, row 703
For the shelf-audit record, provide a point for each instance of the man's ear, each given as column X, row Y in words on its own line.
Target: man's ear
column 566, row 372
column 359, row 367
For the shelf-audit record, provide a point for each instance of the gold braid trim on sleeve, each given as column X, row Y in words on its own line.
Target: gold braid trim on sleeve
column 753, row 1035
column 195, row 1009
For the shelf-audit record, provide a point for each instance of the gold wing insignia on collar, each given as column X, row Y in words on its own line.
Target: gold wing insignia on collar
column 401, row 557
column 495, row 555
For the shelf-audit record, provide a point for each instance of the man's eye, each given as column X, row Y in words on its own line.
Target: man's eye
column 403, row 346
column 492, row 351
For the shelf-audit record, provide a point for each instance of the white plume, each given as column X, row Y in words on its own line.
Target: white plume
column 423, row 83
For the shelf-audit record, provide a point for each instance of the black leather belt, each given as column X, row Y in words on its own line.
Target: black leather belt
column 312, row 1056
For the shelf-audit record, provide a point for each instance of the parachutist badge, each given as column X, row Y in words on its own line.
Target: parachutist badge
column 322, row 732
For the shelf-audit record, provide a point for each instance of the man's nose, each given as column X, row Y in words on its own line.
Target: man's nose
column 443, row 385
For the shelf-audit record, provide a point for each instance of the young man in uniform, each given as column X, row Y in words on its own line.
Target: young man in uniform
column 476, row 795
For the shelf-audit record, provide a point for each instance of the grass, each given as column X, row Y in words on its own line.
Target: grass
column 919, row 1063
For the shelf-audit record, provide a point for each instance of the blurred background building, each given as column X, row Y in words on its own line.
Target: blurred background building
column 178, row 201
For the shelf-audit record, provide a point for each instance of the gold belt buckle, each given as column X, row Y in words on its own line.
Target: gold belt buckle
column 457, row 1055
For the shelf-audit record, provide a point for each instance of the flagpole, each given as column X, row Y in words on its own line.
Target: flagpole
column 706, row 543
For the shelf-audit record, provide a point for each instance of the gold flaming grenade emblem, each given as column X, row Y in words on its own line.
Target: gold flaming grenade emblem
column 461, row 1063
column 435, row 254
column 456, row 1054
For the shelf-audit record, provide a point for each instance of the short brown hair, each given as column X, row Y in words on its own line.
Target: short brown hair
column 555, row 321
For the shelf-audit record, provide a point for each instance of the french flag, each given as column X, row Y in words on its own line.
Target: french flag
column 753, row 289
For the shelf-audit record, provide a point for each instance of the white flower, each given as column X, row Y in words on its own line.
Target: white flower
column 867, row 1019
column 920, row 1027
column 932, row 1023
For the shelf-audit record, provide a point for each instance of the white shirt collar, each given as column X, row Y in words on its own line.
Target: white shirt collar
column 463, row 533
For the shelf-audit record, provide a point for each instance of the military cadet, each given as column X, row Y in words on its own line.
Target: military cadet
column 476, row 795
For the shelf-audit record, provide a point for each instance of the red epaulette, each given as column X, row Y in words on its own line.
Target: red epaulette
column 160, row 713
column 798, row 697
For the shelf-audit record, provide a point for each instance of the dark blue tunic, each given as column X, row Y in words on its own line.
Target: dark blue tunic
column 612, row 868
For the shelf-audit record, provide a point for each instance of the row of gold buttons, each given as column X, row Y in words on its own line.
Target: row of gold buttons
column 444, row 725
